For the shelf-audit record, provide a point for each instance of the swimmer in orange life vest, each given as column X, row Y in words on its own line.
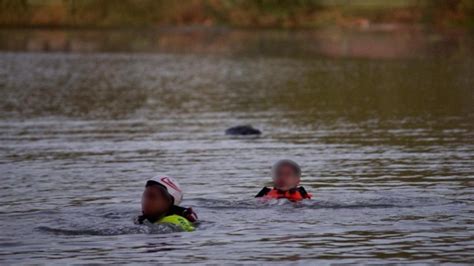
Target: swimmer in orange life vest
column 286, row 179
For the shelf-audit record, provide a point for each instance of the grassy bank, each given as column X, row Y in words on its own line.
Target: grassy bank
column 235, row 13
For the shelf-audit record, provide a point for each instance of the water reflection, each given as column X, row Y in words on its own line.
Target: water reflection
column 385, row 140
column 376, row 43
column 124, row 85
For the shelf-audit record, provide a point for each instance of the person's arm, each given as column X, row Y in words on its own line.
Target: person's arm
column 190, row 215
column 262, row 192
column 304, row 194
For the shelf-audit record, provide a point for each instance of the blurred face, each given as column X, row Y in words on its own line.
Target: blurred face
column 155, row 201
column 286, row 177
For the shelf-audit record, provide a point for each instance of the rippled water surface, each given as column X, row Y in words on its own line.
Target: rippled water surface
column 385, row 137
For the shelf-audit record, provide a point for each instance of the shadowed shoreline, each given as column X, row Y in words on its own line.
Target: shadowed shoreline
column 383, row 43
column 273, row 14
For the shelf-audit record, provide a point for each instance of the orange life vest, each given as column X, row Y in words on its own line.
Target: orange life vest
column 295, row 194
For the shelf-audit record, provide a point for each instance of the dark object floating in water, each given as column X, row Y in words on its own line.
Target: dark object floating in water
column 242, row 131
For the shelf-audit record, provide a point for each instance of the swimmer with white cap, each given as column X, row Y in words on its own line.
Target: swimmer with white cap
column 160, row 202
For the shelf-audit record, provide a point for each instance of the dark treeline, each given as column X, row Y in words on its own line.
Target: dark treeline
column 239, row 13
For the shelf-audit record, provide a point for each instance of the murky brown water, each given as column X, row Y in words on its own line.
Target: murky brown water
column 382, row 124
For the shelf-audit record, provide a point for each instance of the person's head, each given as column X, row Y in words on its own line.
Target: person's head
column 286, row 174
column 160, row 194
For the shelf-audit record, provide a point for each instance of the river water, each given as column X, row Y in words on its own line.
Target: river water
column 381, row 122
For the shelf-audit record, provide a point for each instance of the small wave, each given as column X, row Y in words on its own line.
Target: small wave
column 94, row 231
column 381, row 202
column 112, row 230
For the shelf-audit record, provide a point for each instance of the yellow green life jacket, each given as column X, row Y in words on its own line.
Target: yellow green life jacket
column 177, row 220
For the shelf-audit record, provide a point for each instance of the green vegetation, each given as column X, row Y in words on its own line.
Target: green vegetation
column 238, row 13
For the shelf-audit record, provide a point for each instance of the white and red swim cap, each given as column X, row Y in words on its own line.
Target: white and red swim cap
column 171, row 186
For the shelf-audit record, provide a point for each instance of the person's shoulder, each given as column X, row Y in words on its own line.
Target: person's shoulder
column 263, row 192
column 187, row 213
column 174, row 218
column 304, row 193
column 179, row 221
column 301, row 188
